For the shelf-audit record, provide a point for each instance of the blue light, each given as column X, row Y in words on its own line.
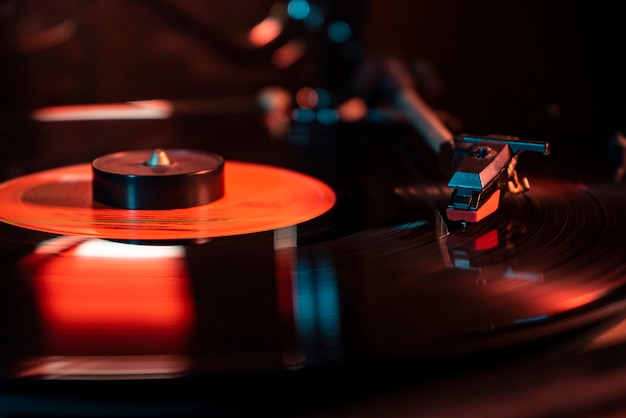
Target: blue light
column 299, row 135
column 323, row 98
column 317, row 311
column 328, row 304
column 327, row 116
column 538, row 318
column 131, row 196
column 305, row 307
column 315, row 20
column 302, row 115
column 339, row 31
column 298, row 9
column 411, row 225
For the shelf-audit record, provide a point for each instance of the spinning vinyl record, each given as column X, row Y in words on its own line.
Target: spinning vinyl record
column 308, row 279
column 257, row 198
column 81, row 303
column 232, row 274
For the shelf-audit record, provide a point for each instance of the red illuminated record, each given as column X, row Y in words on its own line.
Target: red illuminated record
column 257, row 198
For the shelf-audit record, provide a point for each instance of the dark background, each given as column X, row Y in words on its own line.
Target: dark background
column 551, row 70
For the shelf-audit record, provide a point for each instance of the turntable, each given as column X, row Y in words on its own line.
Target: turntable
column 175, row 269
column 359, row 257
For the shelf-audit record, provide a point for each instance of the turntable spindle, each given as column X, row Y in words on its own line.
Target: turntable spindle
column 158, row 158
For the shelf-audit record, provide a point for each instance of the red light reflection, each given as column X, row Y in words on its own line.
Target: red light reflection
column 289, row 54
column 112, row 305
column 265, row 31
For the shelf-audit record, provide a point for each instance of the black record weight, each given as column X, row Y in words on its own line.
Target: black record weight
column 158, row 179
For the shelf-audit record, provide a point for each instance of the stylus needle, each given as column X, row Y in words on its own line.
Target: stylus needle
column 486, row 168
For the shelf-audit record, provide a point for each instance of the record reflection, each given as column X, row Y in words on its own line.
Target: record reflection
column 109, row 308
column 317, row 313
column 114, row 310
column 308, row 299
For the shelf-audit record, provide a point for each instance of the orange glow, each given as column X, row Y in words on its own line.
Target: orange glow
column 257, row 198
column 306, row 97
column 156, row 366
column 146, row 109
column 277, row 102
column 487, row 241
column 95, row 304
column 275, row 98
column 566, row 300
column 265, row 31
column 352, row 110
column 288, row 54
column 482, row 212
column 48, row 38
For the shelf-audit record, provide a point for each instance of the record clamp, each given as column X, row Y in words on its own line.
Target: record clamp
column 158, row 180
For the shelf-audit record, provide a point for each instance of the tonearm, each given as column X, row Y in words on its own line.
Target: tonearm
column 482, row 167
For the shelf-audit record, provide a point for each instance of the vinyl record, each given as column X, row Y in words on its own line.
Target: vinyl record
column 546, row 262
column 419, row 289
column 257, row 198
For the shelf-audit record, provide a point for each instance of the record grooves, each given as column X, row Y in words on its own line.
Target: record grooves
column 455, row 290
column 258, row 198
column 452, row 287
column 337, row 281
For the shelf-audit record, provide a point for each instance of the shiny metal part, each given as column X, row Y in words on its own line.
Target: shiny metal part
column 485, row 169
